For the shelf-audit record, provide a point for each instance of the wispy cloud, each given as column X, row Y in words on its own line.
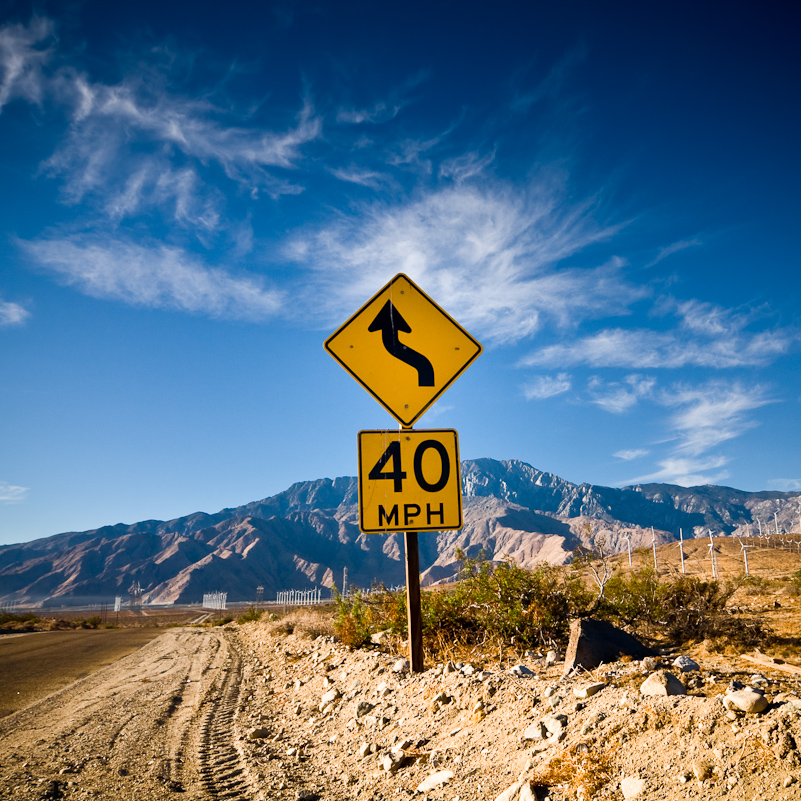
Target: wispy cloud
column 379, row 112
column 547, row 386
column 119, row 133
column 363, row 177
column 140, row 144
column 707, row 416
column 705, row 335
column 12, row 313
column 468, row 165
column 619, row 397
column 676, row 247
column 686, row 472
column 712, row 413
column 491, row 254
column 157, row 277
column 631, row 454
column 382, row 110
column 786, row 484
column 22, row 62
column 12, row 494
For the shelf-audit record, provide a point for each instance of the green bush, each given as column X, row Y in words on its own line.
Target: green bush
column 679, row 610
column 501, row 603
column 491, row 605
column 352, row 624
column 250, row 616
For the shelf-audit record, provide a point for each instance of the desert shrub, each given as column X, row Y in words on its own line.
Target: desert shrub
column 584, row 769
column 250, row 616
column 634, row 598
column 26, row 621
column 680, row 610
column 753, row 585
column 795, row 584
column 352, row 624
column 491, row 605
column 308, row 622
column 506, row 602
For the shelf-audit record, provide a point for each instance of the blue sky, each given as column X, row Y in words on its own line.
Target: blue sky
column 194, row 196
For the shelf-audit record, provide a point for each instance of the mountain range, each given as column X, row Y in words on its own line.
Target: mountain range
column 306, row 535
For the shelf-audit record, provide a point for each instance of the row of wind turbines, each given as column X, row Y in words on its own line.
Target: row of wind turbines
column 765, row 539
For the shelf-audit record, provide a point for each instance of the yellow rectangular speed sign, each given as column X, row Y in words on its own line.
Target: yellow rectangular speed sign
column 409, row 480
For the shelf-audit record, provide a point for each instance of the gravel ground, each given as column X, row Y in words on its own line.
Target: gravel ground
column 242, row 712
column 615, row 743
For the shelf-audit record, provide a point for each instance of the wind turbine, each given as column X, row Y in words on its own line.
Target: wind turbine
column 712, row 554
column 744, row 549
column 653, row 545
column 628, row 543
column 681, row 548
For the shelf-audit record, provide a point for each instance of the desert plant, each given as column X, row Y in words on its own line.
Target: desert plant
column 351, row 624
column 250, row 616
column 491, row 605
column 681, row 610
column 584, row 769
column 308, row 622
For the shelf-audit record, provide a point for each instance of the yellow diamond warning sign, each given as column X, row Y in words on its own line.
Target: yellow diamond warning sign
column 409, row 481
column 403, row 349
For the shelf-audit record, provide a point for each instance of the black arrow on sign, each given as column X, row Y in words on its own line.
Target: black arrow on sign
column 390, row 323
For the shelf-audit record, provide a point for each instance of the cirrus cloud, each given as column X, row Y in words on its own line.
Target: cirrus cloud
column 12, row 313
column 492, row 254
column 9, row 493
column 156, row 276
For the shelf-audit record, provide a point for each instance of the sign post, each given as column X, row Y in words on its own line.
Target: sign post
column 406, row 351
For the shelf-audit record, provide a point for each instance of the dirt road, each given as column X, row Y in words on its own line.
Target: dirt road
column 37, row 664
column 157, row 722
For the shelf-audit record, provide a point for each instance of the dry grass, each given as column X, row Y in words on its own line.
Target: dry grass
column 584, row 769
column 308, row 622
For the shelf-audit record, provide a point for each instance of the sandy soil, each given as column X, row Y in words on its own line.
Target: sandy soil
column 37, row 664
column 156, row 723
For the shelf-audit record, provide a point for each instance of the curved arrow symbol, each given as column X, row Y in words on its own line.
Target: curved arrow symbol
column 389, row 322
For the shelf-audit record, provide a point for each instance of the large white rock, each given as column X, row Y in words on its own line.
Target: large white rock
column 526, row 793
column 510, row 792
column 685, row 664
column 329, row 698
column 749, row 701
column 662, row 683
column 434, row 780
column 632, row 787
column 535, row 731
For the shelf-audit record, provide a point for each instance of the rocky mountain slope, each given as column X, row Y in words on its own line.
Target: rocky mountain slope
column 307, row 534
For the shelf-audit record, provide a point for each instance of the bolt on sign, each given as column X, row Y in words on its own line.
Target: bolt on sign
column 403, row 349
column 409, row 481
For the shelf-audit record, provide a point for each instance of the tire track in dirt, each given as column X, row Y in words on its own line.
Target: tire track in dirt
column 223, row 769
column 161, row 720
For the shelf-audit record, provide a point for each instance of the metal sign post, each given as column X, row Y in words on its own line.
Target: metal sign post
column 406, row 351
column 414, row 618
